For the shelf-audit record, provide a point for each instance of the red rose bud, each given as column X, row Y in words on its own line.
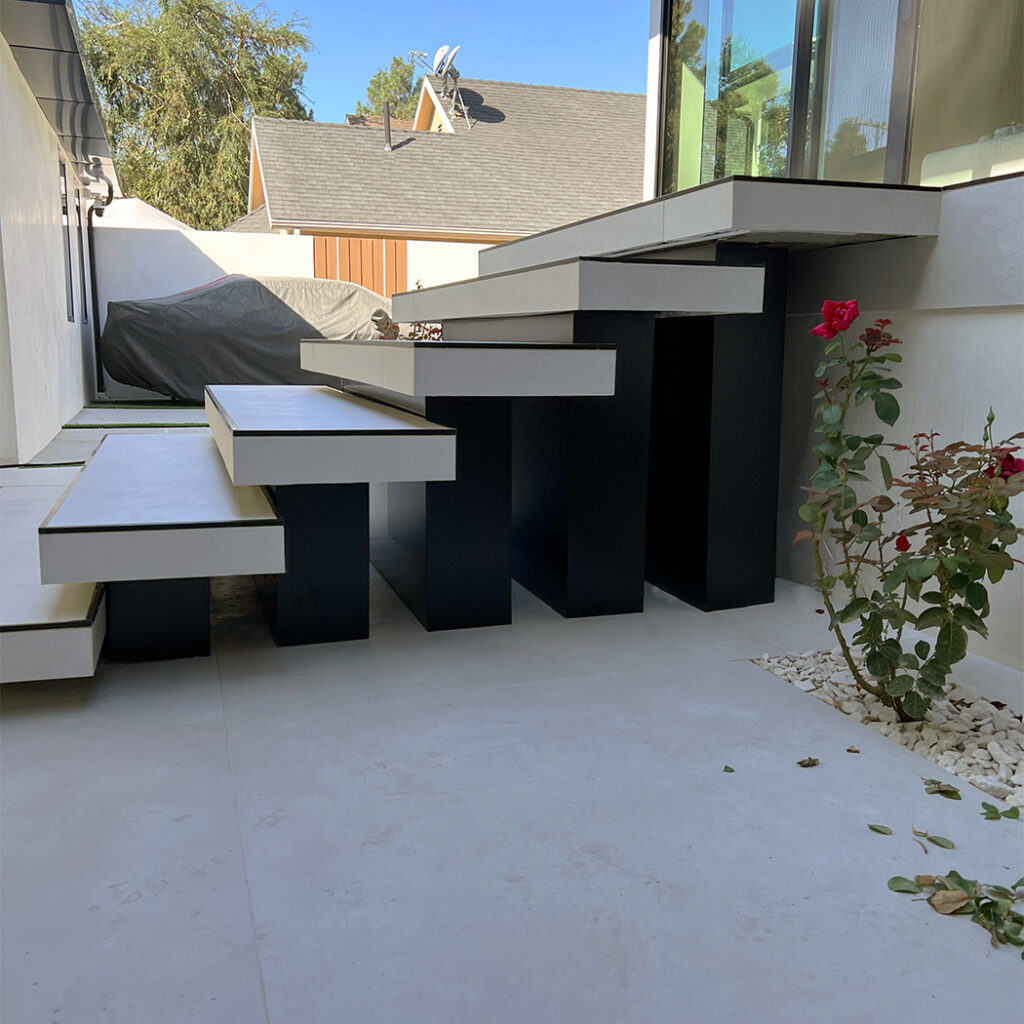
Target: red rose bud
column 902, row 544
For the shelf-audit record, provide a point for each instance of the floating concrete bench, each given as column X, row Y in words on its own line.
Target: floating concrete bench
column 447, row 554
column 46, row 632
column 317, row 450
column 154, row 517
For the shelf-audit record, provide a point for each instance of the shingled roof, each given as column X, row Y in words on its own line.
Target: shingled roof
column 535, row 157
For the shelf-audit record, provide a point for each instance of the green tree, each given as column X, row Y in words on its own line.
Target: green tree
column 179, row 82
column 396, row 84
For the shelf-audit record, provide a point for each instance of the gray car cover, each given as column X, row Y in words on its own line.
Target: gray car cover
column 237, row 330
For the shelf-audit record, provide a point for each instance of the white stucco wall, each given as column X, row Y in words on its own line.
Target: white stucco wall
column 957, row 303
column 431, row 263
column 148, row 262
column 44, row 359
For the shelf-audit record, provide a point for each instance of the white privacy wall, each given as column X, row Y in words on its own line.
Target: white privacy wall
column 44, row 359
column 431, row 263
column 148, row 262
column 957, row 303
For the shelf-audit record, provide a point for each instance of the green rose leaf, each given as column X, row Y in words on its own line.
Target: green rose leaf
column 882, row 830
column 832, row 414
column 856, row 607
column 977, row 596
column 932, row 617
column 887, row 409
column 921, row 648
column 882, row 460
column 946, row 844
column 951, row 643
column 900, row 685
column 915, row 705
column 878, row 664
column 900, row 884
column 809, row 513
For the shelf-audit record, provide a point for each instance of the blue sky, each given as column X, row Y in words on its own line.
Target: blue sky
column 595, row 45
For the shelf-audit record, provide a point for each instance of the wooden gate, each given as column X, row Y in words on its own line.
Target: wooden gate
column 375, row 263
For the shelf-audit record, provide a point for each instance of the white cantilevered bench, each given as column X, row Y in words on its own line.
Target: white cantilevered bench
column 154, row 517
column 316, row 450
column 447, row 554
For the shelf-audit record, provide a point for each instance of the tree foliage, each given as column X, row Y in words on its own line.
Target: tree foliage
column 179, row 81
column 397, row 84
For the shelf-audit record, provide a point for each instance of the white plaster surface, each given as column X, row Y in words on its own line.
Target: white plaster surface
column 432, row 368
column 523, row 823
column 957, row 303
column 430, row 263
column 44, row 359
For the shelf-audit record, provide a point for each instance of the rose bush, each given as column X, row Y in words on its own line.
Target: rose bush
column 955, row 525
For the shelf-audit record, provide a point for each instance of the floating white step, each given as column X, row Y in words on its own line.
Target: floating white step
column 799, row 214
column 285, row 435
column 46, row 632
column 589, row 285
column 159, row 506
column 467, row 368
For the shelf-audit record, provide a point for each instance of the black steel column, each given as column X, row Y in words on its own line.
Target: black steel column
column 580, row 480
column 716, row 416
column 324, row 593
column 447, row 553
column 150, row 620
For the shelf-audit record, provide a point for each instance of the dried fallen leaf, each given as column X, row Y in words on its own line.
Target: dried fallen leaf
column 809, row 762
column 936, row 787
column 948, row 901
column 852, row 750
column 926, row 879
column 882, row 830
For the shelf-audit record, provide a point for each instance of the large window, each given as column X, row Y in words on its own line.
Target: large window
column 924, row 92
column 728, row 67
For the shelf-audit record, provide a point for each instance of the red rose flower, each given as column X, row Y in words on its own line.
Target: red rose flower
column 837, row 316
column 902, row 543
column 1008, row 465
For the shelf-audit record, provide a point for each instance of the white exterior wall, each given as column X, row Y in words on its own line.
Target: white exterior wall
column 152, row 261
column 431, row 263
column 45, row 361
column 956, row 302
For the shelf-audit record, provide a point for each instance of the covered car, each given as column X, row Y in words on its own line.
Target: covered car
column 236, row 330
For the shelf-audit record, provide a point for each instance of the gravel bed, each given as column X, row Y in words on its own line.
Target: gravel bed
column 978, row 740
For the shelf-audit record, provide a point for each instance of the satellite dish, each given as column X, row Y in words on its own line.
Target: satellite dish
column 439, row 57
column 448, row 62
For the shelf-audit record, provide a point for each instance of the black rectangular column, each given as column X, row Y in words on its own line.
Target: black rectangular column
column 151, row 620
column 447, row 553
column 714, row 466
column 324, row 594
column 579, row 468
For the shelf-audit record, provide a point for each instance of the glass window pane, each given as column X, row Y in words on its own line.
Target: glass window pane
column 853, row 71
column 685, row 65
column 969, row 92
column 750, row 67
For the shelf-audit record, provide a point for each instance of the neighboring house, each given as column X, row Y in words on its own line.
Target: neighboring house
column 531, row 158
column 54, row 162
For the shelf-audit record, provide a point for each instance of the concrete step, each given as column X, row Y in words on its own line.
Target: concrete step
column 469, row 369
column 158, row 507
column 46, row 631
column 281, row 435
column 584, row 285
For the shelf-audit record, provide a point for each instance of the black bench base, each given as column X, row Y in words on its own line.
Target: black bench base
column 447, row 554
column 324, row 594
column 151, row 620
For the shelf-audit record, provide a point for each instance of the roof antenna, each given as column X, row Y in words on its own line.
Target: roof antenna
column 387, row 127
column 444, row 67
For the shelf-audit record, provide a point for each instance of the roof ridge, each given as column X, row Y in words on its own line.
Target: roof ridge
column 535, row 85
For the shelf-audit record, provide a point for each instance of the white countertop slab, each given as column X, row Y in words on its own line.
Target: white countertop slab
column 158, row 506
column 467, row 368
column 299, row 434
column 681, row 288
column 796, row 214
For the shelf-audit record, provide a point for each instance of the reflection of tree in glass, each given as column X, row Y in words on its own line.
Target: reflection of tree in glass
column 849, row 139
column 685, row 50
column 750, row 112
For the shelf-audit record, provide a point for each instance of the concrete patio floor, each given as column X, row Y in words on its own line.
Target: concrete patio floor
column 524, row 825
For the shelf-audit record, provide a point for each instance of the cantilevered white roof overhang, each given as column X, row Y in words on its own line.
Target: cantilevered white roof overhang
column 44, row 38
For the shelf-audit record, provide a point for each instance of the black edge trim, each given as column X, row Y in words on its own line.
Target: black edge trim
column 52, row 531
column 557, row 346
column 90, row 617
